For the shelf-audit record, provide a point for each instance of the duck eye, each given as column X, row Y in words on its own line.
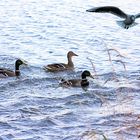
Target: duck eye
column 19, row 62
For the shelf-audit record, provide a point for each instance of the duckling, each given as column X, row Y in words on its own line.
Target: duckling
column 9, row 73
column 61, row 66
column 77, row 82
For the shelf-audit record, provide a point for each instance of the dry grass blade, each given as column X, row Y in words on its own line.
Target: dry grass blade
column 109, row 55
column 93, row 66
column 102, row 98
column 93, row 135
column 128, row 129
column 110, row 59
column 104, row 137
column 120, row 61
column 119, row 54
column 114, row 78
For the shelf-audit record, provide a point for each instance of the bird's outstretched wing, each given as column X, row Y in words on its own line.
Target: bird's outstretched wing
column 109, row 9
column 137, row 15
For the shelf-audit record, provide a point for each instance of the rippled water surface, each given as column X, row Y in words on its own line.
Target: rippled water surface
column 41, row 32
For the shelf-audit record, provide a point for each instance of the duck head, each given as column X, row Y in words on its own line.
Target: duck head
column 85, row 74
column 70, row 54
column 20, row 62
column 17, row 64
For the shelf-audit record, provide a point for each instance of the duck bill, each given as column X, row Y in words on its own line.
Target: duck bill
column 91, row 76
column 75, row 54
column 25, row 62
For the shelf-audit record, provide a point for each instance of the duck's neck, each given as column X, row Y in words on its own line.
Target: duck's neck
column 84, row 82
column 84, row 77
column 17, row 72
column 70, row 63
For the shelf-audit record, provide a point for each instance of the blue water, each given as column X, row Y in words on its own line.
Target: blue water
column 35, row 107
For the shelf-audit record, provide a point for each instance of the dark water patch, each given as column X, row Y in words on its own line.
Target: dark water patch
column 117, row 120
column 120, row 125
column 72, row 137
column 129, row 131
column 82, row 100
column 115, row 116
column 29, row 83
column 73, row 127
column 35, row 105
column 27, row 135
column 116, row 74
column 5, row 125
column 127, row 90
column 33, row 122
column 69, row 118
column 73, row 131
column 29, row 110
column 45, row 122
column 33, row 138
column 5, row 112
column 136, row 82
column 33, row 101
column 6, row 137
column 54, row 109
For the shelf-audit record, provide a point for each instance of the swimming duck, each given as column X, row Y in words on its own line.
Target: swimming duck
column 83, row 82
column 61, row 66
column 129, row 19
column 9, row 73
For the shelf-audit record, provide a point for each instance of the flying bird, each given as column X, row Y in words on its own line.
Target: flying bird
column 129, row 20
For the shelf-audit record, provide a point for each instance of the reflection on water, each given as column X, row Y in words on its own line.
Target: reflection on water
column 42, row 32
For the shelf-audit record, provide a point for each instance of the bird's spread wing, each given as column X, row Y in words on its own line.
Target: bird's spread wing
column 109, row 9
column 137, row 15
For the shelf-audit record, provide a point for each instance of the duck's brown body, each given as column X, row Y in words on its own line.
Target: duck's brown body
column 62, row 66
column 6, row 73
